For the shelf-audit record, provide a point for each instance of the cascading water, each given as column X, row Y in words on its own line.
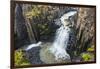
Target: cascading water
column 60, row 43
column 62, row 37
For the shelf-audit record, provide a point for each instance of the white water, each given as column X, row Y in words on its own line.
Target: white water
column 62, row 37
column 33, row 45
column 60, row 44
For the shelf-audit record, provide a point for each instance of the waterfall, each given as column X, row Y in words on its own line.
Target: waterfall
column 62, row 37
column 60, row 43
column 62, row 33
column 61, row 40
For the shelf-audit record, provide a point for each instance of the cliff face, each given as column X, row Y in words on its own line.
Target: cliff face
column 20, row 30
column 85, row 29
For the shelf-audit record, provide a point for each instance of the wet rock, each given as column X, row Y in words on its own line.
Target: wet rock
column 33, row 55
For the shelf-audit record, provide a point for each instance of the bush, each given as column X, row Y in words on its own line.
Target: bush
column 20, row 58
column 87, row 56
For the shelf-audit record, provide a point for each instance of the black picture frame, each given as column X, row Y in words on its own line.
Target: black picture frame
column 12, row 15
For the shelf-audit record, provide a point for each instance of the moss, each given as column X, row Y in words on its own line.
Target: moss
column 33, row 13
column 91, row 49
column 87, row 56
column 20, row 58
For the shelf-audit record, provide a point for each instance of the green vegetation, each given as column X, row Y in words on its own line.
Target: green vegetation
column 41, row 17
column 91, row 49
column 44, row 29
column 33, row 12
column 20, row 59
column 87, row 56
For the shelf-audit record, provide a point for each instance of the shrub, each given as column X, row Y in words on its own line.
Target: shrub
column 87, row 56
column 20, row 58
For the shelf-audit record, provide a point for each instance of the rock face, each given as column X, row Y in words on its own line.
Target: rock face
column 85, row 29
column 20, row 28
column 33, row 55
